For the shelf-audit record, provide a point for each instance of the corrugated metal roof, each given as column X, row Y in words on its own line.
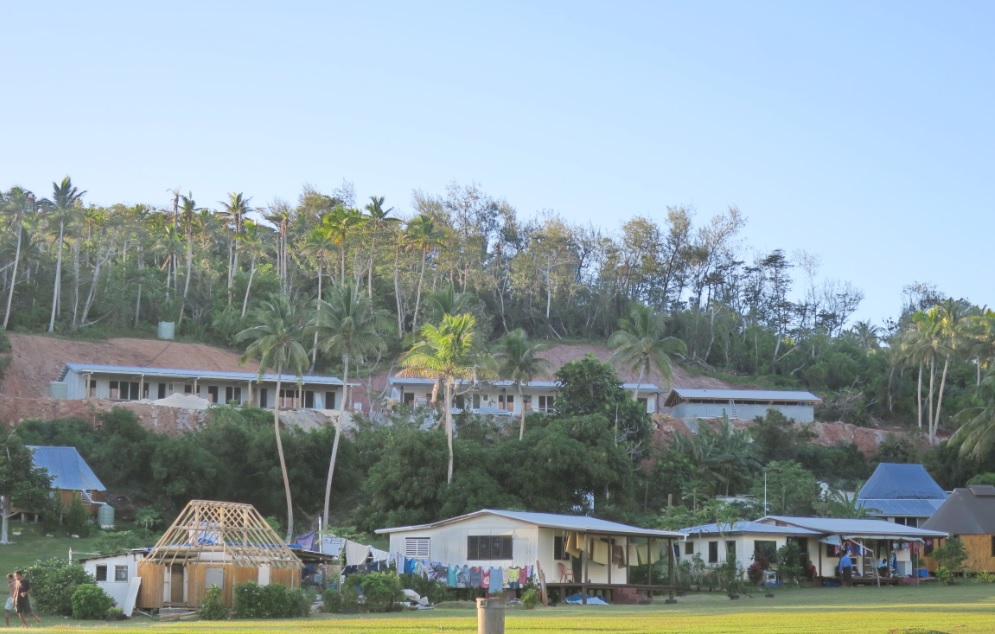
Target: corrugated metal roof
column 579, row 523
column 679, row 394
column 68, row 469
column 747, row 527
column 412, row 380
column 854, row 527
column 199, row 374
column 891, row 481
column 969, row 511
column 900, row 508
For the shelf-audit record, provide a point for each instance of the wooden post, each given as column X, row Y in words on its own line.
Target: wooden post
column 583, row 568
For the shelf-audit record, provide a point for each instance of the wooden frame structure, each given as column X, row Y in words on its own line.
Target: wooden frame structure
column 214, row 543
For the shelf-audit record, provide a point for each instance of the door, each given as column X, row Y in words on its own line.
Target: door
column 176, row 584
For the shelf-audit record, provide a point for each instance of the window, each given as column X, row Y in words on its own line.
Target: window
column 101, row 573
column 330, row 399
column 233, row 395
column 308, row 399
column 120, row 573
column 162, row 390
column 188, row 388
column 93, row 388
column 506, row 401
column 546, row 403
column 416, row 547
column 488, row 547
column 730, row 551
column 560, row 548
column 765, row 549
column 262, row 397
column 713, row 552
column 688, row 548
column 124, row 391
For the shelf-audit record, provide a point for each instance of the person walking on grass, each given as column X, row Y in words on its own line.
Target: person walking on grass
column 10, row 605
column 23, row 601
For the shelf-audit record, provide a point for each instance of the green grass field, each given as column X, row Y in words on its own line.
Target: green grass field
column 968, row 607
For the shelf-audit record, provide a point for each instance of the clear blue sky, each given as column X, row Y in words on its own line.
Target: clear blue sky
column 861, row 132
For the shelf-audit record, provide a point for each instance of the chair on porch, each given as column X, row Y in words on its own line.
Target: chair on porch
column 566, row 576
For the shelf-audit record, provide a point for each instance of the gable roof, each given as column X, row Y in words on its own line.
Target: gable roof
column 67, row 468
column 969, row 511
column 740, row 528
column 576, row 523
column 223, row 532
column 868, row 528
column 680, row 395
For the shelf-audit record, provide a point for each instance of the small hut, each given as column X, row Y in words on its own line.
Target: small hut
column 214, row 544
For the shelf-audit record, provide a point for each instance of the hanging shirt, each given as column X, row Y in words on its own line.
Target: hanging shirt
column 495, row 584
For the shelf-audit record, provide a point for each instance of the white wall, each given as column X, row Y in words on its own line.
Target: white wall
column 118, row 590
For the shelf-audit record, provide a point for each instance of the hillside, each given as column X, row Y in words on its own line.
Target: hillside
column 37, row 360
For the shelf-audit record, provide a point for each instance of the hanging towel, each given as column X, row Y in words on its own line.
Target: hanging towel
column 599, row 552
column 573, row 545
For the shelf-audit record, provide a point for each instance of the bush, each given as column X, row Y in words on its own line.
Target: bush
column 436, row 591
column 76, row 519
column 530, row 598
column 382, row 591
column 214, row 608
column 331, row 600
column 944, row 575
column 273, row 601
column 114, row 542
column 53, row 583
column 90, row 602
column 951, row 555
column 351, row 590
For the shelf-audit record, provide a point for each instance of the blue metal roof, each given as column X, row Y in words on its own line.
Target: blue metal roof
column 194, row 374
column 854, row 527
column 679, row 394
column 68, row 469
column 579, row 523
column 552, row 385
column 900, row 508
column 746, row 527
column 892, row 481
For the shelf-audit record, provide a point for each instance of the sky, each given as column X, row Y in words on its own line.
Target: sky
column 858, row 132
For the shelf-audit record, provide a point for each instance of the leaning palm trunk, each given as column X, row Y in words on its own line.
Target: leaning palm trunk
column 58, row 278
column 449, row 426
column 338, row 434
column 13, row 276
column 283, row 462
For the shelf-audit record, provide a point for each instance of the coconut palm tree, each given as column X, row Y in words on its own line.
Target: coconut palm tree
column 518, row 360
column 445, row 353
column 348, row 325
column 976, row 435
column 235, row 211
column 377, row 220
column 423, row 235
column 62, row 208
column 338, row 224
column 640, row 343
column 275, row 341
column 16, row 204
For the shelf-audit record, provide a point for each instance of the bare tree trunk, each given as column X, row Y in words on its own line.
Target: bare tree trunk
column 248, row 286
column 421, row 279
column 314, row 344
column 939, row 403
column 13, row 279
column 397, row 293
column 58, row 278
column 283, row 462
column 449, row 427
column 338, row 434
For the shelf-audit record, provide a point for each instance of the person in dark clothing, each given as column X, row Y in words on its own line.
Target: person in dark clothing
column 23, row 601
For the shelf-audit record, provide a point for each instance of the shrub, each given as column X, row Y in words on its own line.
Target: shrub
column 986, row 577
column 112, row 543
column 76, row 519
column 273, row 601
column 53, row 583
column 332, row 600
column 530, row 598
column 352, row 589
column 214, row 608
column 951, row 555
column 945, row 575
column 90, row 602
column 436, row 591
column 382, row 591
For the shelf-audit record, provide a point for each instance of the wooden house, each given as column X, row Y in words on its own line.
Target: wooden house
column 214, row 544
column 969, row 514
column 72, row 477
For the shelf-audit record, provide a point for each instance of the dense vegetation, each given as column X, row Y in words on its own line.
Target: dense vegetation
column 465, row 288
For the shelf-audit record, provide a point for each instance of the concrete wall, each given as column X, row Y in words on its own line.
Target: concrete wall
column 741, row 411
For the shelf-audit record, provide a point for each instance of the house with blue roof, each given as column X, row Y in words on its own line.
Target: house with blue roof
column 139, row 383
column 901, row 493
column 72, row 477
column 691, row 404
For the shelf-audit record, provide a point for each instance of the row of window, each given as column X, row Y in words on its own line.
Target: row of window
column 762, row 547
column 478, row 547
column 134, row 391
column 120, row 573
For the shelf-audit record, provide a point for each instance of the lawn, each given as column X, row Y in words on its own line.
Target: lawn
column 32, row 545
column 967, row 607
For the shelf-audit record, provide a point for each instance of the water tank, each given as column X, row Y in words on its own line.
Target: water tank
column 167, row 329
column 58, row 389
column 105, row 516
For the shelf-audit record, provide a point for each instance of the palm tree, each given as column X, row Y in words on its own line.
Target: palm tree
column 275, row 340
column 518, row 361
column 16, row 204
column 379, row 218
column 348, row 325
column 976, row 435
column 640, row 344
column 338, row 224
column 62, row 207
column 236, row 209
column 934, row 336
column 445, row 353
column 423, row 236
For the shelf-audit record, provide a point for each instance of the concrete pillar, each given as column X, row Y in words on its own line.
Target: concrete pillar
column 490, row 616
